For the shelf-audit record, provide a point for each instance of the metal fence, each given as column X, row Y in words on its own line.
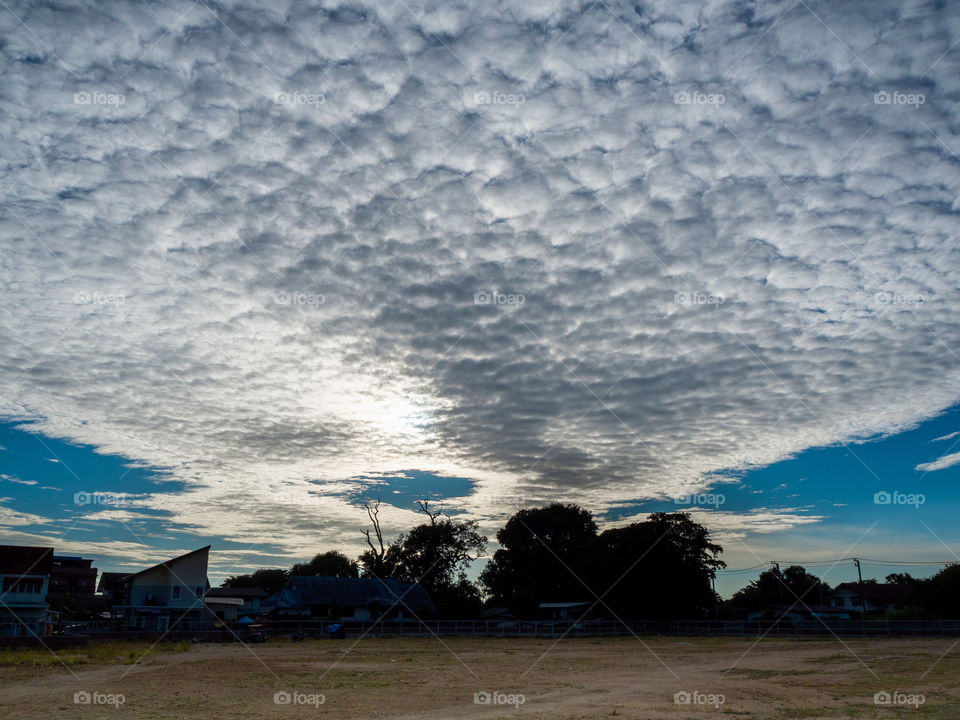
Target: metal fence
column 546, row 629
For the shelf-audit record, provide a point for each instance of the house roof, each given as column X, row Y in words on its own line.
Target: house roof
column 563, row 604
column 168, row 563
column 879, row 592
column 239, row 592
column 25, row 560
column 305, row 591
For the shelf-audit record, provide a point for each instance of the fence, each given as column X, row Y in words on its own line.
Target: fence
column 547, row 629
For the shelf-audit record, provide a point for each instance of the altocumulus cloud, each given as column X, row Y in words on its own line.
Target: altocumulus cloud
column 594, row 250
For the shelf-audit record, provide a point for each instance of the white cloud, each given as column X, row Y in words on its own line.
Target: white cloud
column 249, row 291
column 946, row 437
column 940, row 463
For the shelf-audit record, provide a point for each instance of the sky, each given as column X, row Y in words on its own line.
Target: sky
column 261, row 262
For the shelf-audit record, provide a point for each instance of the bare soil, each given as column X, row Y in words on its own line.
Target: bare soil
column 572, row 678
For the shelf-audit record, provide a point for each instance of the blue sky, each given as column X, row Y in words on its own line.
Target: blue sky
column 834, row 487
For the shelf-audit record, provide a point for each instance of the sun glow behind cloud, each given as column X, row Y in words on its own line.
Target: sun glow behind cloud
column 279, row 262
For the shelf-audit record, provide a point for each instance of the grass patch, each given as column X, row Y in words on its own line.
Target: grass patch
column 103, row 653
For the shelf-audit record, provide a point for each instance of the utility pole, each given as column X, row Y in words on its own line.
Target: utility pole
column 713, row 585
column 779, row 580
column 859, row 575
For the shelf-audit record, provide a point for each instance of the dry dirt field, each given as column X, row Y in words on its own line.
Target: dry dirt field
column 427, row 678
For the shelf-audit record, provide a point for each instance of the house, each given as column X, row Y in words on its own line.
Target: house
column 72, row 574
column 107, row 586
column 230, row 603
column 861, row 597
column 24, row 583
column 563, row 610
column 318, row 598
column 167, row 596
column 799, row 612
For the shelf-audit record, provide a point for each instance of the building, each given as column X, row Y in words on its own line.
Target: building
column 799, row 612
column 231, row 603
column 72, row 574
column 24, row 583
column 338, row 598
column 861, row 597
column 108, row 585
column 167, row 596
column 563, row 610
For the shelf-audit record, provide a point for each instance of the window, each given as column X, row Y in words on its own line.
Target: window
column 176, row 592
column 163, row 623
column 22, row 585
column 199, row 591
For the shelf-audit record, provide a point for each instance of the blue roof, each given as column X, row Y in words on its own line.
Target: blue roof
column 304, row 591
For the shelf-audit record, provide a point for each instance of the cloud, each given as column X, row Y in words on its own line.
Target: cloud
column 12, row 479
column 946, row 437
column 258, row 244
column 940, row 463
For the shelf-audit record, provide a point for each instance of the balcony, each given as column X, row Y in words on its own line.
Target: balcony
column 19, row 599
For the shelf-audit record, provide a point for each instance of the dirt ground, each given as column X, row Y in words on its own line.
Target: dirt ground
column 656, row 677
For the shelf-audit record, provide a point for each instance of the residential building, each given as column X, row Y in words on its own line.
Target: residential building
column 24, row 583
column 232, row 603
column 861, row 597
column 319, row 598
column 167, row 596
column 72, row 574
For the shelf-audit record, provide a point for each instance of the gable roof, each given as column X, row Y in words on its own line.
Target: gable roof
column 239, row 592
column 168, row 563
column 304, row 591
column 25, row 560
column 881, row 592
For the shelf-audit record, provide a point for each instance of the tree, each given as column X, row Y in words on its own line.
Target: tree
column 902, row 579
column 437, row 555
column 939, row 596
column 544, row 553
column 330, row 564
column 377, row 561
column 267, row 579
column 774, row 587
column 659, row 568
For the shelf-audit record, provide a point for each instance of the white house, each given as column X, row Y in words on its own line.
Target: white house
column 167, row 596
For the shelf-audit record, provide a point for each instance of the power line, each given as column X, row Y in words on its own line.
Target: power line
column 822, row 563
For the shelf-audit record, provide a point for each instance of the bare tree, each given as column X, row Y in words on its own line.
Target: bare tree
column 374, row 514
column 424, row 506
